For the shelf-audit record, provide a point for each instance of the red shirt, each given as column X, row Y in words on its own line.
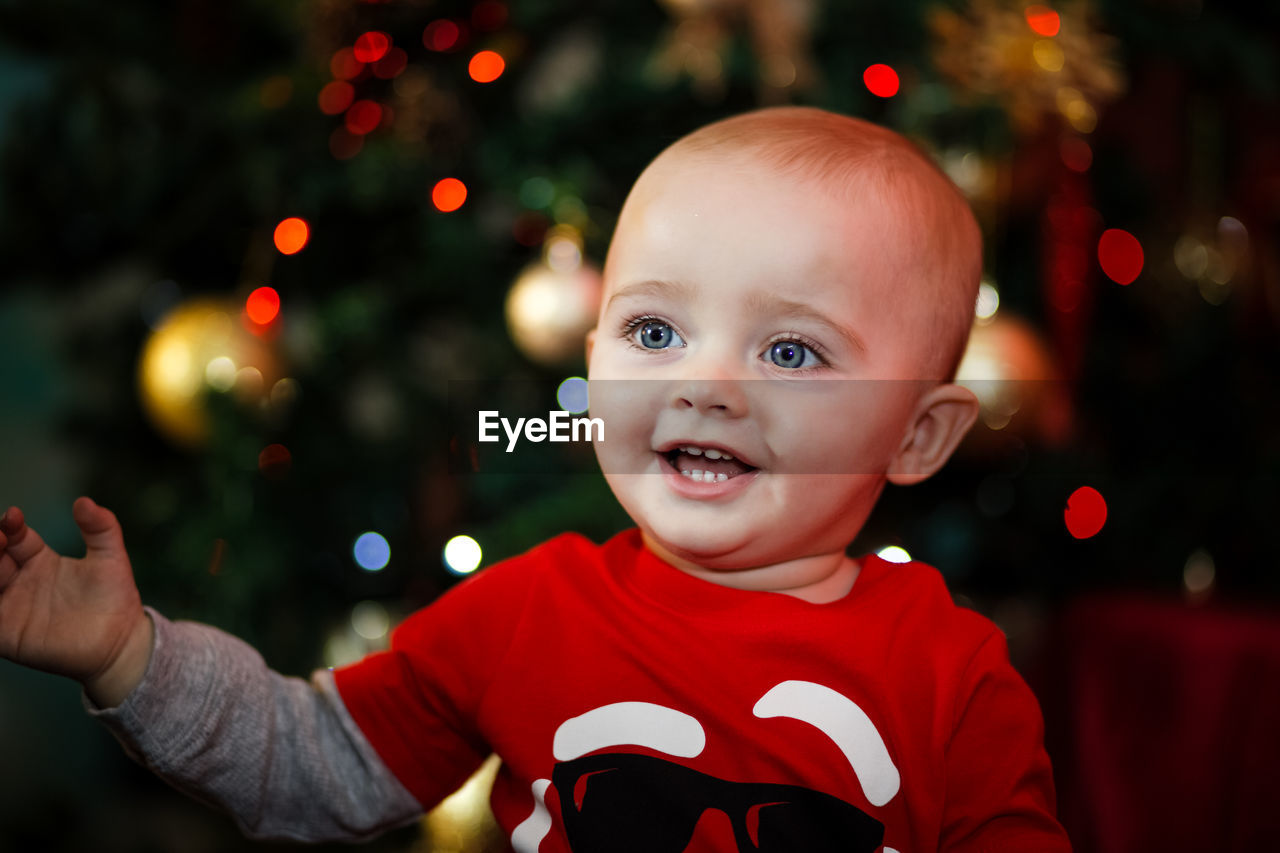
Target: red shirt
column 633, row 702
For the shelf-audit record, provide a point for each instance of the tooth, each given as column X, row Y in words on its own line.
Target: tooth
column 712, row 453
column 692, row 451
column 708, row 477
column 696, row 473
column 687, row 473
column 720, row 478
column 724, row 455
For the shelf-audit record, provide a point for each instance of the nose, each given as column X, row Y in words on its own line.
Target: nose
column 722, row 397
column 713, row 832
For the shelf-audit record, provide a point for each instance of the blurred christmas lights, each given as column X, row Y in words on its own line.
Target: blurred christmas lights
column 291, row 235
column 486, row 66
column 1120, row 255
column 371, row 551
column 1076, row 154
column 220, row 373
column 448, row 194
column 263, row 305
column 894, row 554
column 336, row 97
column 441, row 35
column 462, row 555
column 369, row 619
column 371, row 46
column 1048, row 55
column 1198, row 574
column 1076, row 109
column 572, row 395
column 363, row 117
column 274, row 460
column 344, row 66
column 562, row 250
column 881, row 80
column 1086, row 512
column 391, row 65
column 987, row 303
column 1042, row 20
column 537, row 193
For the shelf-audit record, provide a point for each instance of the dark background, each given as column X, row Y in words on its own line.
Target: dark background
column 147, row 152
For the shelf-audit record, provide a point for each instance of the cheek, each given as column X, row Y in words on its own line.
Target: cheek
column 627, row 411
column 850, row 431
column 618, row 402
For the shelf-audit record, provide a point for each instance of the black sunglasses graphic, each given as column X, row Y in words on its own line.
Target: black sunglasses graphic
column 624, row 803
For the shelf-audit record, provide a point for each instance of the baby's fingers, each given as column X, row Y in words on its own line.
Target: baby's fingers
column 24, row 543
column 8, row 568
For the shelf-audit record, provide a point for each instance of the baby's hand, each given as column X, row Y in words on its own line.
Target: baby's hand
column 79, row 618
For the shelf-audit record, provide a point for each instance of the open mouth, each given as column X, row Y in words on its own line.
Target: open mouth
column 706, row 464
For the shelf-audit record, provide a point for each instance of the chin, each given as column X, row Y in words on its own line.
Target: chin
column 707, row 549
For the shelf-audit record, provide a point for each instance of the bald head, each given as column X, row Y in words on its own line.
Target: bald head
column 927, row 224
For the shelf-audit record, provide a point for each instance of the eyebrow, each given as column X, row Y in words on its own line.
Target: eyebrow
column 651, row 287
column 775, row 306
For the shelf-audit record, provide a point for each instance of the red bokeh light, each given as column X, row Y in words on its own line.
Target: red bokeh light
column 372, row 46
column 363, row 117
column 441, row 35
column 291, row 235
column 1076, row 154
column 391, row 65
column 486, row 66
column 336, row 96
column 448, row 194
column 881, row 80
column 489, row 15
column 1086, row 512
column 263, row 305
column 344, row 65
column 1120, row 255
column 275, row 460
column 1042, row 20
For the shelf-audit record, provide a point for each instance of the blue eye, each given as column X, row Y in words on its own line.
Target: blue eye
column 792, row 355
column 656, row 334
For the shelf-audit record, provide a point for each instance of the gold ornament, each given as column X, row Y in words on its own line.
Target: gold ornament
column 992, row 50
column 463, row 821
column 199, row 348
column 554, row 302
column 698, row 45
column 1010, row 370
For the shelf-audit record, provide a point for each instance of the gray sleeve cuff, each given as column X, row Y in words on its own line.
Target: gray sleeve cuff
column 281, row 755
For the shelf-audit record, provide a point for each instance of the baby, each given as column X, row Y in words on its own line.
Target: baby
column 787, row 295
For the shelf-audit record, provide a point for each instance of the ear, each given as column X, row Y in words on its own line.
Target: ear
column 591, row 344
column 941, row 418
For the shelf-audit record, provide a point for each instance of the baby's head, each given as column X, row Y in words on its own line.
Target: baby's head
column 755, row 261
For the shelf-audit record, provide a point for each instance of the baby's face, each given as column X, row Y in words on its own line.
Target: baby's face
column 746, row 312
